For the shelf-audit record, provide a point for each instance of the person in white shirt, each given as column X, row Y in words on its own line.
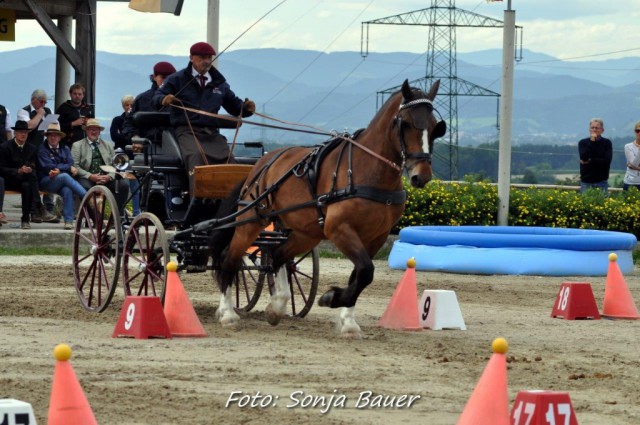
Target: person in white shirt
column 632, row 153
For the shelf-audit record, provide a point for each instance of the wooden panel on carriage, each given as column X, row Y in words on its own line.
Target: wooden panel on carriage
column 217, row 181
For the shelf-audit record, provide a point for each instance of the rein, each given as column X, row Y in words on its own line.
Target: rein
column 314, row 131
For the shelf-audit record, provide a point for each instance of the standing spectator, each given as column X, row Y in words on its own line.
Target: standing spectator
column 143, row 102
column 632, row 153
column 17, row 168
column 37, row 110
column 596, row 153
column 92, row 152
column 73, row 115
column 202, row 87
column 56, row 171
column 121, row 142
column 5, row 125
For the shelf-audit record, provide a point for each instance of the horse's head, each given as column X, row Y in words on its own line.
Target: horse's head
column 417, row 129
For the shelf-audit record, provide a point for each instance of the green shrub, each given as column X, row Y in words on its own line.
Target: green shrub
column 470, row 203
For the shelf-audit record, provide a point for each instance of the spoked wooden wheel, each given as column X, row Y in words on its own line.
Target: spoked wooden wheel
column 97, row 247
column 145, row 257
column 302, row 275
column 247, row 286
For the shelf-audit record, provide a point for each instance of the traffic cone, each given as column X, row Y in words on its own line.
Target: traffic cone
column 68, row 405
column 181, row 317
column 402, row 311
column 618, row 302
column 489, row 402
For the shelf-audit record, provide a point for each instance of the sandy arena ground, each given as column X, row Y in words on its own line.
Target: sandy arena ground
column 190, row 380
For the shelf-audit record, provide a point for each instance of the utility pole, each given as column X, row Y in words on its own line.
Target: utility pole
column 504, row 153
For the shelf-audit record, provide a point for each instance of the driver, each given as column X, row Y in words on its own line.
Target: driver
column 92, row 152
column 200, row 86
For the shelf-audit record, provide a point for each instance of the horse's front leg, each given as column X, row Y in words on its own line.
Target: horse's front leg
column 279, row 298
column 348, row 326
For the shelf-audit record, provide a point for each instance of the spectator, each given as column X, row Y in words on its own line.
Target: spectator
column 143, row 102
column 117, row 136
column 17, row 168
column 56, row 171
column 92, row 152
column 37, row 111
column 73, row 115
column 121, row 142
column 596, row 153
column 632, row 153
column 202, row 87
column 5, row 124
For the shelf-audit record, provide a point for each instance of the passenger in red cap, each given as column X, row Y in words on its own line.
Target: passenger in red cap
column 200, row 86
column 142, row 102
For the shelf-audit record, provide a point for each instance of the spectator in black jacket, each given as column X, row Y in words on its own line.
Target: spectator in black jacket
column 117, row 136
column 37, row 111
column 73, row 115
column 18, row 169
column 596, row 153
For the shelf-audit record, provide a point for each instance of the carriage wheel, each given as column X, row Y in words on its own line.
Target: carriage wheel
column 146, row 254
column 249, row 281
column 97, row 247
column 302, row 275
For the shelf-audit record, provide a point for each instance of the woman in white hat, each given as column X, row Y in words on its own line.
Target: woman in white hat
column 56, row 171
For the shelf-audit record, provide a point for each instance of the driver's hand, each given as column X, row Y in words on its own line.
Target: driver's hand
column 249, row 106
column 168, row 100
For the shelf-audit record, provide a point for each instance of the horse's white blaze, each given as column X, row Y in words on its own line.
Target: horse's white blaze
column 281, row 293
column 348, row 320
column 425, row 141
column 226, row 312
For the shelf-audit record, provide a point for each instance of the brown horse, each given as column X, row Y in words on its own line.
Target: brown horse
column 349, row 192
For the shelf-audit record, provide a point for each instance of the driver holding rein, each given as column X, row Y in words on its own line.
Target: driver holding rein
column 200, row 86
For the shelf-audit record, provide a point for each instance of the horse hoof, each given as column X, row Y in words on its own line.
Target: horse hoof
column 326, row 298
column 272, row 317
column 229, row 320
column 356, row 335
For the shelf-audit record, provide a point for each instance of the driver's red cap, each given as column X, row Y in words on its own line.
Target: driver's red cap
column 203, row 49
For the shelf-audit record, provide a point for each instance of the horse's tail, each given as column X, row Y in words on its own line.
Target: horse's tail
column 220, row 239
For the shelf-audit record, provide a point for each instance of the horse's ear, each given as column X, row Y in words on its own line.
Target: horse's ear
column 406, row 90
column 433, row 90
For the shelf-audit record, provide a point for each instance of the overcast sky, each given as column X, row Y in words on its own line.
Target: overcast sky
column 564, row 29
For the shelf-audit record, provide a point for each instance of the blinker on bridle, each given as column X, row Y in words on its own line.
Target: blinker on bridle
column 419, row 122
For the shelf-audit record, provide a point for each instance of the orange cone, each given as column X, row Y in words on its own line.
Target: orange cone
column 68, row 405
column 181, row 317
column 489, row 403
column 618, row 302
column 402, row 311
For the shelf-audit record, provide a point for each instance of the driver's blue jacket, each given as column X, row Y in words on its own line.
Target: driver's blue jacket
column 217, row 93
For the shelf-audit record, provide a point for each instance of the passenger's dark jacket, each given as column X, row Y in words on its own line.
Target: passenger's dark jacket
column 143, row 102
column 214, row 95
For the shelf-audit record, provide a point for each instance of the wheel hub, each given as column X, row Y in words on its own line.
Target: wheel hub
column 93, row 250
column 142, row 267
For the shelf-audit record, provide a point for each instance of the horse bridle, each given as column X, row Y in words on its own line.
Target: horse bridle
column 397, row 120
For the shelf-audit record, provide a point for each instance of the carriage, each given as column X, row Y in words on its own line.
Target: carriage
column 348, row 190
column 108, row 246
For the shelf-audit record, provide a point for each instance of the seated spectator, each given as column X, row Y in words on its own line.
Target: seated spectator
column 18, row 169
column 92, row 152
column 121, row 142
column 56, row 171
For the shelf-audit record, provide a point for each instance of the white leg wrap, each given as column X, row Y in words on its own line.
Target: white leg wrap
column 226, row 312
column 350, row 329
column 281, row 293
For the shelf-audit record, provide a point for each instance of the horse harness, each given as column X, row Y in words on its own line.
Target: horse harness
column 309, row 167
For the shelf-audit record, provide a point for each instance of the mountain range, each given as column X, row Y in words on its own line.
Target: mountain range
column 553, row 99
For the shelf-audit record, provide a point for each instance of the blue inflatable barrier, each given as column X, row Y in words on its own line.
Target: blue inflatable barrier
column 544, row 251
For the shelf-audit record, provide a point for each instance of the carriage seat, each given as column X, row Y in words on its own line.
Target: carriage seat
column 164, row 150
